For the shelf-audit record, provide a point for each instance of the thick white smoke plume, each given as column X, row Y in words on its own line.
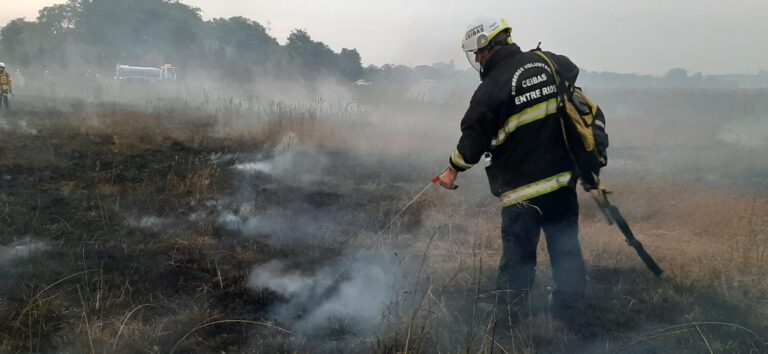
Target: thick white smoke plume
column 351, row 296
column 289, row 162
column 279, row 164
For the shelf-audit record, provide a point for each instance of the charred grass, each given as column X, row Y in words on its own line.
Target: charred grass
column 74, row 186
column 133, row 257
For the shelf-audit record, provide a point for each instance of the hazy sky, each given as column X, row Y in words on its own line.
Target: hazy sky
column 647, row 37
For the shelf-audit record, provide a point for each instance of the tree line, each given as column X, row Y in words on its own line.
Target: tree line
column 98, row 34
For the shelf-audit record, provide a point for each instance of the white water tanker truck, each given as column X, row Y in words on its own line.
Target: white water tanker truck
column 165, row 72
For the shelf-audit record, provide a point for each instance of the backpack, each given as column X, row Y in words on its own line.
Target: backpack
column 583, row 125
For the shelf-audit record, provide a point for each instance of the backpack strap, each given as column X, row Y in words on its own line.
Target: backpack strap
column 550, row 63
column 562, row 89
column 560, row 96
column 562, row 92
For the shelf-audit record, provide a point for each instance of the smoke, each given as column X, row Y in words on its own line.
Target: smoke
column 295, row 167
column 287, row 162
column 21, row 249
column 749, row 133
column 258, row 166
column 149, row 222
column 282, row 198
column 16, row 125
column 349, row 297
column 289, row 222
column 304, row 200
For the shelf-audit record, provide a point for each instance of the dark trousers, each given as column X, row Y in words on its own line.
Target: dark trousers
column 557, row 213
column 4, row 101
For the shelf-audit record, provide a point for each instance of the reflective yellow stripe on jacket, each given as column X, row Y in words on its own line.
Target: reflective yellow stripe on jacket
column 528, row 115
column 535, row 189
column 457, row 159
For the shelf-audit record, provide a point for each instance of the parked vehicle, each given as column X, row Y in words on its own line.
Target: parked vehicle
column 166, row 72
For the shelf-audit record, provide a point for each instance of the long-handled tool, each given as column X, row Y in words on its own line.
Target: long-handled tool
column 613, row 216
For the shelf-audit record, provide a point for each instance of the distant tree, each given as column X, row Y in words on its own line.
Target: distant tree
column 57, row 27
column 59, row 19
column 350, row 64
column 676, row 74
column 426, row 72
column 15, row 40
column 141, row 30
column 444, row 68
column 696, row 79
column 243, row 44
column 244, row 39
column 392, row 73
column 310, row 58
column 102, row 33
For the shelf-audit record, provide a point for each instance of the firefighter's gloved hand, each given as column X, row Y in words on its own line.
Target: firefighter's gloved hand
column 447, row 179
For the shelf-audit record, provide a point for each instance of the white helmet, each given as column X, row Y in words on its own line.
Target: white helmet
column 480, row 33
column 2, row 65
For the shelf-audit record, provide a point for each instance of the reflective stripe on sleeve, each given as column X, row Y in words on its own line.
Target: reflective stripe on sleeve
column 528, row 115
column 535, row 189
column 457, row 159
column 599, row 124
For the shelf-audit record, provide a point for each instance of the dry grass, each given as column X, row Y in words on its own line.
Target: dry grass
column 128, row 270
column 711, row 243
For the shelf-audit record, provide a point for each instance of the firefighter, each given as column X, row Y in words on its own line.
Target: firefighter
column 513, row 120
column 6, row 86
